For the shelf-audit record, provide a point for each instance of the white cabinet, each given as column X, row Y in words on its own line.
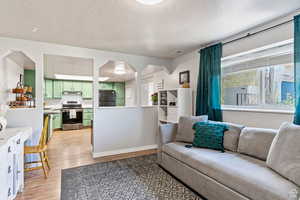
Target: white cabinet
column 3, row 173
column 12, row 161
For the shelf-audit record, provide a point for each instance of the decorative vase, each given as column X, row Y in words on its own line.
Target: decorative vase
column 3, row 121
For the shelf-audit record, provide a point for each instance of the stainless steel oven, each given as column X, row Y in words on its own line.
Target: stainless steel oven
column 72, row 116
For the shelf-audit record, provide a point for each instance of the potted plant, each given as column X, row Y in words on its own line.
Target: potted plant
column 154, row 98
column 3, row 121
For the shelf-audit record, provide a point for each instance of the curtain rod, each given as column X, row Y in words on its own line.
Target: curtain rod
column 257, row 32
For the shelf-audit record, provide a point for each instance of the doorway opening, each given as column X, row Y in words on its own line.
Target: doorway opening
column 68, row 101
column 117, row 85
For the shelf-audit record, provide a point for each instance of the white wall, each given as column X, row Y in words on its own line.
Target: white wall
column 13, row 72
column 3, row 84
column 185, row 62
column 122, row 130
column 67, row 65
column 10, row 73
column 130, row 93
column 256, row 119
column 278, row 34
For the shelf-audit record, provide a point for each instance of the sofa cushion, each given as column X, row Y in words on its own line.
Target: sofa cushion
column 284, row 155
column 246, row 175
column 232, row 135
column 185, row 132
column 209, row 135
column 256, row 142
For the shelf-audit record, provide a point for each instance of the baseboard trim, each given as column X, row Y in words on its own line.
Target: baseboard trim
column 121, row 151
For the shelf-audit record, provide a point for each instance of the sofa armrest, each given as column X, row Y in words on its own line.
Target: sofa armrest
column 167, row 134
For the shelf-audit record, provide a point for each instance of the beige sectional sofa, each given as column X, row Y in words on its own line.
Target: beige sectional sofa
column 238, row 174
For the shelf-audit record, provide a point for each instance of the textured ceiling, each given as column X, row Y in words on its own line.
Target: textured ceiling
column 127, row 26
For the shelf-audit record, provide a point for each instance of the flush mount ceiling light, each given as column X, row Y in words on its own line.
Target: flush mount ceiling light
column 78, row 78
column 103, row 78
column 35, row 29
column 149, row 2
column 119, row 68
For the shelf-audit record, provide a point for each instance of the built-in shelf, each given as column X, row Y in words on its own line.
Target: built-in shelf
column 173, row 104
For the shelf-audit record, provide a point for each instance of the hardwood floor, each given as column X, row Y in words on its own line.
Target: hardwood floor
column 67, row 149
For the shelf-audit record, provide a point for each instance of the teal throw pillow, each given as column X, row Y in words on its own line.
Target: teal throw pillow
column 209, row 135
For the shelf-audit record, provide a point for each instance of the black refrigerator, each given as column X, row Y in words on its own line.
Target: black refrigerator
column 107, row 98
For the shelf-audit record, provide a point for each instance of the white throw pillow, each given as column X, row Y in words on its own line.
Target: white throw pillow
column 284, row 155
column 185, row 132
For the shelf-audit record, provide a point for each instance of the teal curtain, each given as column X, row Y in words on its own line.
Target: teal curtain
column 208, row 100
column 297, row 68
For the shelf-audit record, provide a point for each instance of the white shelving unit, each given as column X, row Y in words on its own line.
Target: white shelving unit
column 174, row 103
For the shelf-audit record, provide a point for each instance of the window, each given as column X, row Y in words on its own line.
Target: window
column 260, row 79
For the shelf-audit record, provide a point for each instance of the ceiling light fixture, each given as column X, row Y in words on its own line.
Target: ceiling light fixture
column 79, row 78
column 103, row 79
column 149, row 2
column 119, row 68
column 35, row 29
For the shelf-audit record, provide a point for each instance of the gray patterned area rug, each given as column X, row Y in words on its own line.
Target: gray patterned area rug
column 137, row 178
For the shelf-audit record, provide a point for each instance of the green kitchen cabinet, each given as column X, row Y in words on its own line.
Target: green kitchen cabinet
column 48, row 93
column 120, row 101
column 87, row 90
column 54, row 88
column 87, row 123
column 120, row 90
column 57, row 121
column 73, row 85
column 87, row 116
column 77, row 86
column 105, row 86
column 29, row 80
column 57, row 89
column 68, row 86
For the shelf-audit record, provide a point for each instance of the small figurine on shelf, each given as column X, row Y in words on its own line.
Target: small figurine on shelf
column 185, row 85
column 154, row 98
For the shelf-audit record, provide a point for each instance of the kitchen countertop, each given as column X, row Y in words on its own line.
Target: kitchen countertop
column 51, row 112
column 8, row 133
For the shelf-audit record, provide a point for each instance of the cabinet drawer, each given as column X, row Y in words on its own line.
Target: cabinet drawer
column 87, row 122
column 57, row 121
column 87, row 110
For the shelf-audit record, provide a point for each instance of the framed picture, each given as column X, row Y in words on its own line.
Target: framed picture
column 184, row 77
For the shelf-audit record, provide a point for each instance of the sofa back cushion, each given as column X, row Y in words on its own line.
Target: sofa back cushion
column 232, row 135
column 256, row 142
column 284, row 155
column 185, row 132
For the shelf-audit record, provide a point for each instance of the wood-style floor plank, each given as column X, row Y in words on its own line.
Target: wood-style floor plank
column 66, row 149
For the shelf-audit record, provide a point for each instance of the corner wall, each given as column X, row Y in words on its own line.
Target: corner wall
column 139, row 134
